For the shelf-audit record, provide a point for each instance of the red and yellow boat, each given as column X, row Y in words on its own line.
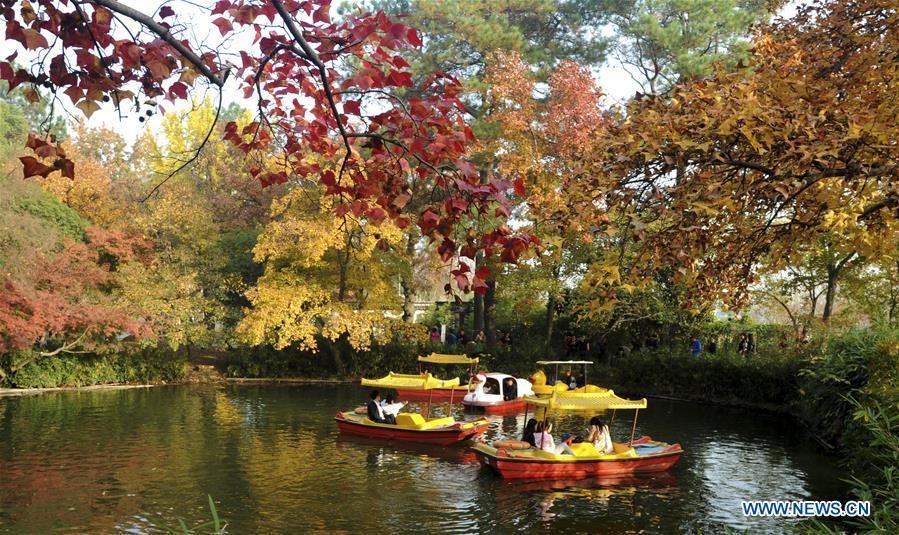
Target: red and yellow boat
column 412, row 427
column 424, row 386
column 633, row 457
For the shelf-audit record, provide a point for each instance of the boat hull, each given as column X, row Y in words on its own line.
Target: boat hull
column 500, row 407
column 435, row 394
column 440, row 436
column 534, row 468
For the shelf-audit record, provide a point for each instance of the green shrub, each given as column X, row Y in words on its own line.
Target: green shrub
column 861, row 363
column 85, row 370
column 876, row 470
column 66, row 221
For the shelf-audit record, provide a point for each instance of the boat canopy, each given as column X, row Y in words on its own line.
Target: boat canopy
column 437, row 358
column 410, row 382
column 572, row 401
column 552, row 362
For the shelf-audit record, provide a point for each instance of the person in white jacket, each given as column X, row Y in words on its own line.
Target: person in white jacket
column 391, row 406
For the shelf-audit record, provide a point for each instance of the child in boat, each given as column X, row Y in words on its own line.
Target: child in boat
column 391, row 406
column 544, row 440
column 600, row 436
column 529, row 431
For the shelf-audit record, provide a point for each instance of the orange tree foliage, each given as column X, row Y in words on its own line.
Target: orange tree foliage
column 62, row 299
column 542, row 129
column 293, row 61
column 749, row 166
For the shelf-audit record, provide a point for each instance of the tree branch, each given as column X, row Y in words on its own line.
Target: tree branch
column 165, row 34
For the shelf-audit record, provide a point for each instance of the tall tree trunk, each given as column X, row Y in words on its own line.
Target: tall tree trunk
column 342, row 261
column 336, row 348
column 550, row 317
column 833, row 275
column 551, row 303
column 406, row 282
column 830, row 295
column 478, row 302
column 490, row 312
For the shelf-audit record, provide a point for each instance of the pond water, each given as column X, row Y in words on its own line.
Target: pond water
column 137, row 460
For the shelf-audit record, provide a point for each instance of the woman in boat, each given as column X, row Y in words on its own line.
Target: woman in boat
column 392, row 407
column 544, row 440
column 600, row 436
column 529, row 431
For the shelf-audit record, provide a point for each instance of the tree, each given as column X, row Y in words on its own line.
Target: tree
column 460, row 37
column 756, row 165
column 61, row 301
column 325, row 279
column 540, row 135
column 875, row 289
column 662, row 41
column 103, row 51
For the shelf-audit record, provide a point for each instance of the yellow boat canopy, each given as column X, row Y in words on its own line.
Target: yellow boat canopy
column 574, row 401
column 437, row 358
column 410, row 382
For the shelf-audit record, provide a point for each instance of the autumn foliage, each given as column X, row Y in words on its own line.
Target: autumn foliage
column 387, row 146
column 747, row 168
column 64, row 297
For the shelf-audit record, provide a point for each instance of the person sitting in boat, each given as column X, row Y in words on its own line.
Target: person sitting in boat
column 391, row 406
column 543, row 439
column 599, row 435
column 510, row 389
column 569, row 380
column 376, row 412
column 529, row 431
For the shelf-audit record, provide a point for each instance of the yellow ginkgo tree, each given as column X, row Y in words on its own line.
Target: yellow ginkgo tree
column 326, row 278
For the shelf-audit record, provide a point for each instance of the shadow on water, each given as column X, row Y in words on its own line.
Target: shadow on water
column 137, row 460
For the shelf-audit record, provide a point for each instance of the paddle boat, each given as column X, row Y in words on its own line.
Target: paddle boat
column 424, row 386
column 487, row 392
column 517, row 460
column 545, row 387
column 410, row 427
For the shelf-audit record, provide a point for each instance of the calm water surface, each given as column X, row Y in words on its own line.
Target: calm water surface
column 137, row 460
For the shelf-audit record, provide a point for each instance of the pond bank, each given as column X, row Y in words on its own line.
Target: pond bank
column 8, row 392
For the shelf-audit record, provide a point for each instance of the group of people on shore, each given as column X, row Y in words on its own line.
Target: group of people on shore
column 464, row 340
column 384, row 411
column 539, row 435
column 576, row 346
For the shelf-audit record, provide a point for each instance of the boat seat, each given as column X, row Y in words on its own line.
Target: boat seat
column 438, row 422
column 409, row 419
column 584, row 449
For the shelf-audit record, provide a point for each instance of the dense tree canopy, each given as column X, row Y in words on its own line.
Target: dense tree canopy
column 766, row 151
column 296, row 65
column 747, row 167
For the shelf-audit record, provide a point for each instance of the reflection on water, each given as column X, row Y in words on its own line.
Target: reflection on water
column 138, row 460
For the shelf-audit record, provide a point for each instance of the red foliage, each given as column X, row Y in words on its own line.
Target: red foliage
column 65, row 294
column 382, row 147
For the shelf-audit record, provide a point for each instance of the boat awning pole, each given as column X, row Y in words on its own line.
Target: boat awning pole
column 450, row 411
column 634, row 429
column 428, row 408
column 612, row 420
